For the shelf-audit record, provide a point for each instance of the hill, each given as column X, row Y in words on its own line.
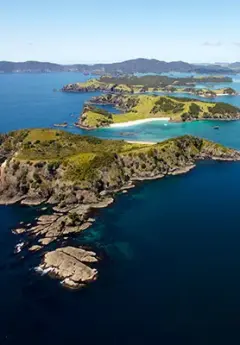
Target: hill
column 134, row 84
column 143, row 107
column 140, row 65
column 40, row 163
column 78, row 173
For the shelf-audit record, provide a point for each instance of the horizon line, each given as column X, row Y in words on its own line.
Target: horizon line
column 113, row 62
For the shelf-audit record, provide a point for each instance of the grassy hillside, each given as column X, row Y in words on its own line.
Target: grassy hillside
column 137, row 107
column 42, row 164
column 134, row 84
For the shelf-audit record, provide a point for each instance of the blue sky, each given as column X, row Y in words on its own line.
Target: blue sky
column 106, row 31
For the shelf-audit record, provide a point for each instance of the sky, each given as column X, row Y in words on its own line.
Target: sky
column 92, row 31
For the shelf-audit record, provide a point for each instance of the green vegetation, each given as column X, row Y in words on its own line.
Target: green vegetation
column 166, row 105
column 223, row 108
column 137, row 107
column 55, row 146
column 133, row 84
column 153, row 81
column 194, row 109
column 229, row 91
column 63, row 165
column 97, row 117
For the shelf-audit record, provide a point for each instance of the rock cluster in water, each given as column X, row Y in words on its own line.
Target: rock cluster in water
column 75, row 174
column 69, row 264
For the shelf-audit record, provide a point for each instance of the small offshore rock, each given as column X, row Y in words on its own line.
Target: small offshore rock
column 18, row 231
column 69, row 265
column 35, row 248
column 47, row 240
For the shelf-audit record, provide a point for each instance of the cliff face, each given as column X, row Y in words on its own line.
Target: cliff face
column 78, row 173
column 84, row 177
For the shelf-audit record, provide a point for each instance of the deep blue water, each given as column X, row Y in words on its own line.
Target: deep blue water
column 170, row 273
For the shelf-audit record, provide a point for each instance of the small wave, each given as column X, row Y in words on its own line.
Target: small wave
column 43, row 271
column 19, row 247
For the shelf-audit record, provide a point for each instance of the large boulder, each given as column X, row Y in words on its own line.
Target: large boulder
column 69, row 265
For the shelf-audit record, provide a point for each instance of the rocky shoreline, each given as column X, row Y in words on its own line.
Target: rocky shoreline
column 70, row 264
column 144, row 84
column 73, row 195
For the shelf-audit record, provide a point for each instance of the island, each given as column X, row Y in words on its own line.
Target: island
column 137, row 109
column 208, row 93
column 74, row 174
column 134, row 84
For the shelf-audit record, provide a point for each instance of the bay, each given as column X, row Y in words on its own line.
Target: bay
column 170, row 248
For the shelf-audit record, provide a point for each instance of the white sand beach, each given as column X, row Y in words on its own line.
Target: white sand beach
column 138, row 122
column 141, row 142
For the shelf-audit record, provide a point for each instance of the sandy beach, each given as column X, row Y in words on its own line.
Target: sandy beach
column 138, row 122
column 141, row 142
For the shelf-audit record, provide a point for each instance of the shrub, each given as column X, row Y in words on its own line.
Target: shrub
column 165, row 104
column 194, row 109
column 74, row 218
column 53, row 166
column 223, row 108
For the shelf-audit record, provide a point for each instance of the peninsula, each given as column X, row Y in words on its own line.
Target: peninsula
column 147, row 83
column 75, row 174
column 208, row 93
column 144, row 108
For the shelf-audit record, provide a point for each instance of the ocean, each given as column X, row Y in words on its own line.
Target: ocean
column 170, row 264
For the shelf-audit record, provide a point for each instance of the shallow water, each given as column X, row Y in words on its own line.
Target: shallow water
column 28, row 101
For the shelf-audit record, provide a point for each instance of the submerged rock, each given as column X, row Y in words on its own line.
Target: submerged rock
column 35, row 248
column 68, row 265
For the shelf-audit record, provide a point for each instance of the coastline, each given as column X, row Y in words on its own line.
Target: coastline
column 138, row 122
column 141, row 142
column 76, row 214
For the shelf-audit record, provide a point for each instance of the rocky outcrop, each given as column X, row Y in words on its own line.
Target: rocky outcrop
column 123, row 102
column 69, row 264
column 88, row 179
column 36, row 182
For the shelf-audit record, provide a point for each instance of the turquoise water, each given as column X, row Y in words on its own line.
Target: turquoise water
column 28, row 100
column 170, row 264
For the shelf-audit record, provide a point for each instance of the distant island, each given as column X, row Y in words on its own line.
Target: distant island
column 75, row 174
column 140, row 65
column 208, row 93
column 145, row 108
column 148, row 83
